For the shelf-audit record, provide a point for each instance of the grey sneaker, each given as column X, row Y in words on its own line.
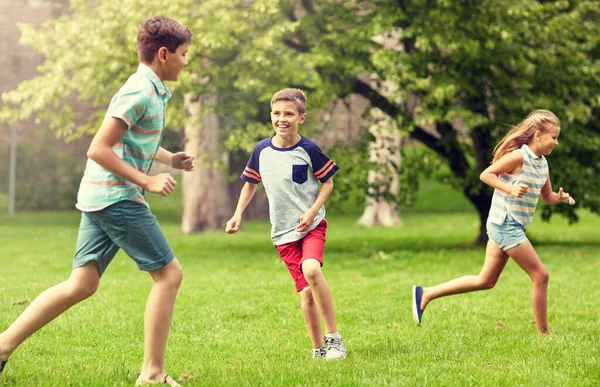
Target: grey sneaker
column 3, row 363
column 319, row 353
column 336, row 350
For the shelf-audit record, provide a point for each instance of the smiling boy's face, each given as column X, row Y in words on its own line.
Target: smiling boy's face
column 286, row 119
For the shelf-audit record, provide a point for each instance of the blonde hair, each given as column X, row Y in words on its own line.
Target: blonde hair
column 294, row 95
column 523, row 133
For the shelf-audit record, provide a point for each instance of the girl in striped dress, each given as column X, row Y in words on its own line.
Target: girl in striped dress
column 519, row 176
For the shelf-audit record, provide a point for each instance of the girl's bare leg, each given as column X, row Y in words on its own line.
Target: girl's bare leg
column 526, row 257
column 495, row 261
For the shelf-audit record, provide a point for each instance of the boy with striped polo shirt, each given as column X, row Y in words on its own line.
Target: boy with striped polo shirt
column 111, row 197
column 290, row 167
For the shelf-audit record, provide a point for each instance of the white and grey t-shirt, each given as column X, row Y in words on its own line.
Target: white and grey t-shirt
column 290, row 177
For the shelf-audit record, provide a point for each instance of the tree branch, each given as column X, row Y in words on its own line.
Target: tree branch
column 377, row 100
column 294, row 45
column 428, row 140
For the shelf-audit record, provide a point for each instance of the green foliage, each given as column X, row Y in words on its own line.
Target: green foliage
column 350, row 181
column 44, row 180
column 465, row 70
column 418, row 163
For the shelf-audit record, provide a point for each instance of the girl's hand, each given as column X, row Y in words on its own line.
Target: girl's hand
column 519, row 190
column 565, row 197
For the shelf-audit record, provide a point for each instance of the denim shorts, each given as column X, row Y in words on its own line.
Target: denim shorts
column 124, row 225
column 507, row 235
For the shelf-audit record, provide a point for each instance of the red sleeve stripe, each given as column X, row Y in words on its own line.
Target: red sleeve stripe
column 252, row 174
column 324, row 168
column 320, row 174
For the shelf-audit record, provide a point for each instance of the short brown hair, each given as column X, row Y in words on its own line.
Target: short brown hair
column 159, row 31
column 295, row 95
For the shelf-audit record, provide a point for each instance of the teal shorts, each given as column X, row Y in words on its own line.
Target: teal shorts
column 124, row 225
column 507, row 235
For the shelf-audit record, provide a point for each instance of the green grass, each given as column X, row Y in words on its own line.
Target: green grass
column 237, row 320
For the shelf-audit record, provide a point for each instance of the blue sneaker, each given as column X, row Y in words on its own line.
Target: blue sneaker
column 2, row 364
column 417, row 295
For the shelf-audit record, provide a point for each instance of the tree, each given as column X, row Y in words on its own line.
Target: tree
column 467, row 70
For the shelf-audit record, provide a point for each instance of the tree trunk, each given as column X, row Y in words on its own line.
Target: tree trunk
column 482, row 202
column 384, row 152
column 258, row 208
column 206, row 203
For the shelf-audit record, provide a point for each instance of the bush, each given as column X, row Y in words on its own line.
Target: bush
column 348, row 196
column 45, row 179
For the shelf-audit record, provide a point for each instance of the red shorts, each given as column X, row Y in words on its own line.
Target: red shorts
column 309, row 247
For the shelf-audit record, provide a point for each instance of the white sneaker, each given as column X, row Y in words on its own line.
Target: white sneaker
column 336, row 350
column 167, row 380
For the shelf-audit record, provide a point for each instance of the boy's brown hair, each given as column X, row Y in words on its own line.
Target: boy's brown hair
column 295, row 95
column 159, row 31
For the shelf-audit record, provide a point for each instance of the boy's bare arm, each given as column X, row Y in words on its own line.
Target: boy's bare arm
column 100, row 150
column 179, row 160
column 246, row 195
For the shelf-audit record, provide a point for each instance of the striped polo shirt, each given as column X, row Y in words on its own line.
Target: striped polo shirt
column 534, row 174
column 291, row 179
column 140, row 103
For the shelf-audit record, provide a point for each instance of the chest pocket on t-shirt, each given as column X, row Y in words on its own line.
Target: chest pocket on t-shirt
column 300, row 173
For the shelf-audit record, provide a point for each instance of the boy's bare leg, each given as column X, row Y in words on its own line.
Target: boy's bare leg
column 311, row 268
column 495, row 261
column 157, row 319
column 82, row 283
column 526, row 257
column 311, row 316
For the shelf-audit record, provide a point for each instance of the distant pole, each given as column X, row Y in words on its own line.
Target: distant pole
column 12, row 177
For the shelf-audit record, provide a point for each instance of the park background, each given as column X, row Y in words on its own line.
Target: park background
column 408, row 97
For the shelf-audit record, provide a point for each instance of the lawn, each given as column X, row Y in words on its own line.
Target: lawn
column 237, row 320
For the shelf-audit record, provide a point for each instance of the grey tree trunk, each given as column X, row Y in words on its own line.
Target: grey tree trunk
column 206, row 202
column 384, row 152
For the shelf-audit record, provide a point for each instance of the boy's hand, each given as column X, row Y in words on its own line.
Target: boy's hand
column 183, row 160
column 305, row 221
column 565, row 197
column 233, row 225
column 162, row 184
column 519, row 190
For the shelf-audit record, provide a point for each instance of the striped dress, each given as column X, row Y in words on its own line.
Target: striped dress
column 140, row 104
column 534, row 174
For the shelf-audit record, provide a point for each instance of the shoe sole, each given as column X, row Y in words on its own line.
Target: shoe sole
column 414, row 305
